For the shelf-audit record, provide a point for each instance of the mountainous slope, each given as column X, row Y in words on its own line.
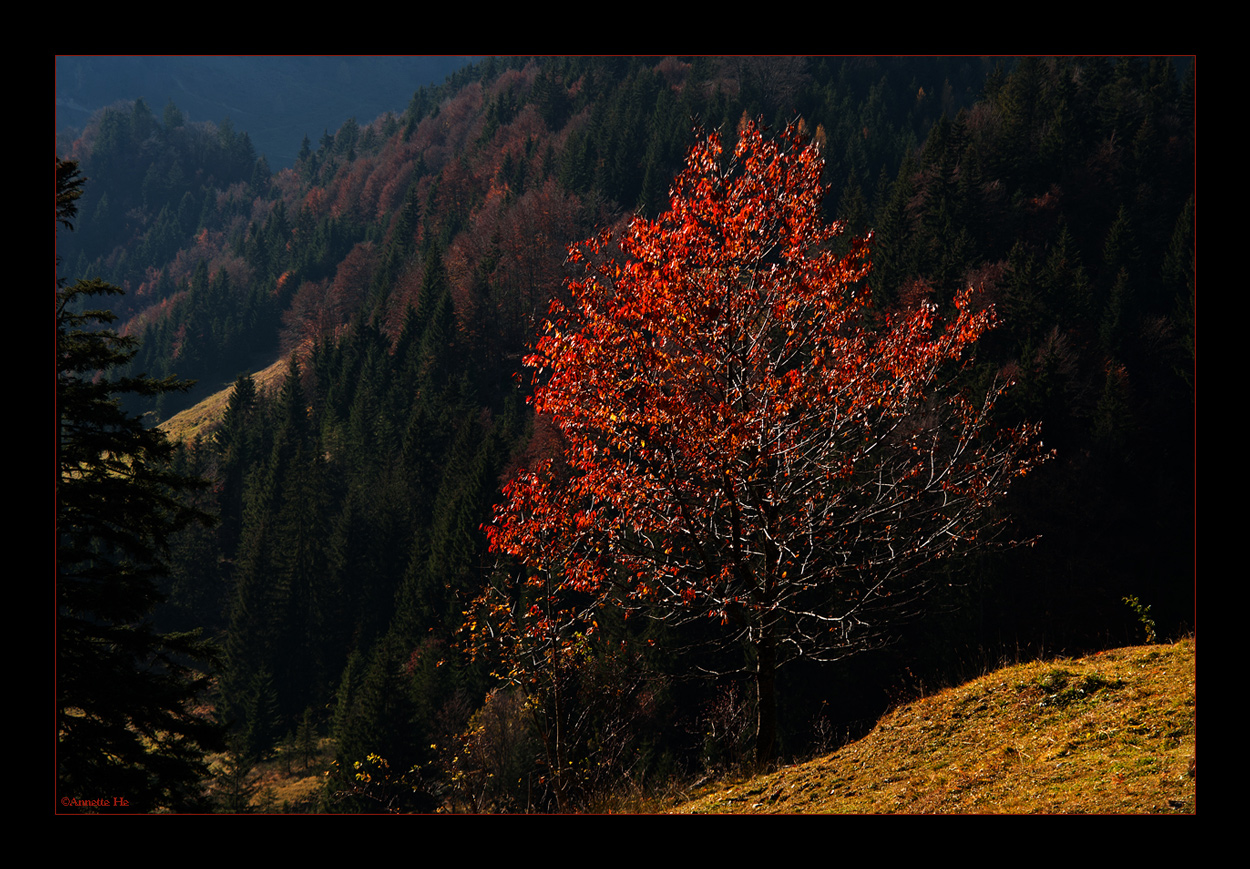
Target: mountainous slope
column 1112, row 733
column 277, row 100
column 391, row 279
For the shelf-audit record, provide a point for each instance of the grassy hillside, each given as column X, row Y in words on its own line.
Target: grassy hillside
column 202, row 419
column 1112, row 733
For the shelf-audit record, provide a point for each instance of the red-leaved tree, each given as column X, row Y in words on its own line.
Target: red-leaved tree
column 747, row 442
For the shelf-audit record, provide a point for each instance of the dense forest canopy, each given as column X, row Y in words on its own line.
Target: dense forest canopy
column 403, row 266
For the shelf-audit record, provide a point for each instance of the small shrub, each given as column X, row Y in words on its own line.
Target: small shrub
column 1143, row 616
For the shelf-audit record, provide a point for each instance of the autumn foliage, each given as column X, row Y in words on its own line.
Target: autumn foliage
column 748, row 441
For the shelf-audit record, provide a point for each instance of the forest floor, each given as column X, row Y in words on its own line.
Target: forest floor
column 1113, row 733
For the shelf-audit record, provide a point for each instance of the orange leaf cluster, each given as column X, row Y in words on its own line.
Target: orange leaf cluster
column 744, row 444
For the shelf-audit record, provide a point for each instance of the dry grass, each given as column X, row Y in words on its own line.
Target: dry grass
column 294, row 792
column 279, row 784
column 202, row 419
column 1109, row 734
column 1112, row 733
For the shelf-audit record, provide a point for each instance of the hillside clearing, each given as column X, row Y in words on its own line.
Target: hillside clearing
column 1111, row 733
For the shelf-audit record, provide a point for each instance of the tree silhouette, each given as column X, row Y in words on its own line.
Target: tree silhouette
column 125, row 727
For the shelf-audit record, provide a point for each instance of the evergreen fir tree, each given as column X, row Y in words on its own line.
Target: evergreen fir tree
column 124, row 691
column 282, row 576
column 261, row 725
column 306, row 738
column 380, row 724
column 236, row 782
column 236, row 447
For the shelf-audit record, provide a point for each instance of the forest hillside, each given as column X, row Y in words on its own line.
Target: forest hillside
column 363, row 325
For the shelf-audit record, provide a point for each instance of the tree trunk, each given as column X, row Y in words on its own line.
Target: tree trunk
column 766, row 698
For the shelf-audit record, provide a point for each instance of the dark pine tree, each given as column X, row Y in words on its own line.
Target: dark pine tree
column 124, row 691
column 281, row 574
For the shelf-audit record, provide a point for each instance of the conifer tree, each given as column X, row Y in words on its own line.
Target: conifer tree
column 234, row 441
column 282, row 574
column 125, row 728
column 306, row 738
column 262, row 722
column 379, row 731
column 236, row 780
